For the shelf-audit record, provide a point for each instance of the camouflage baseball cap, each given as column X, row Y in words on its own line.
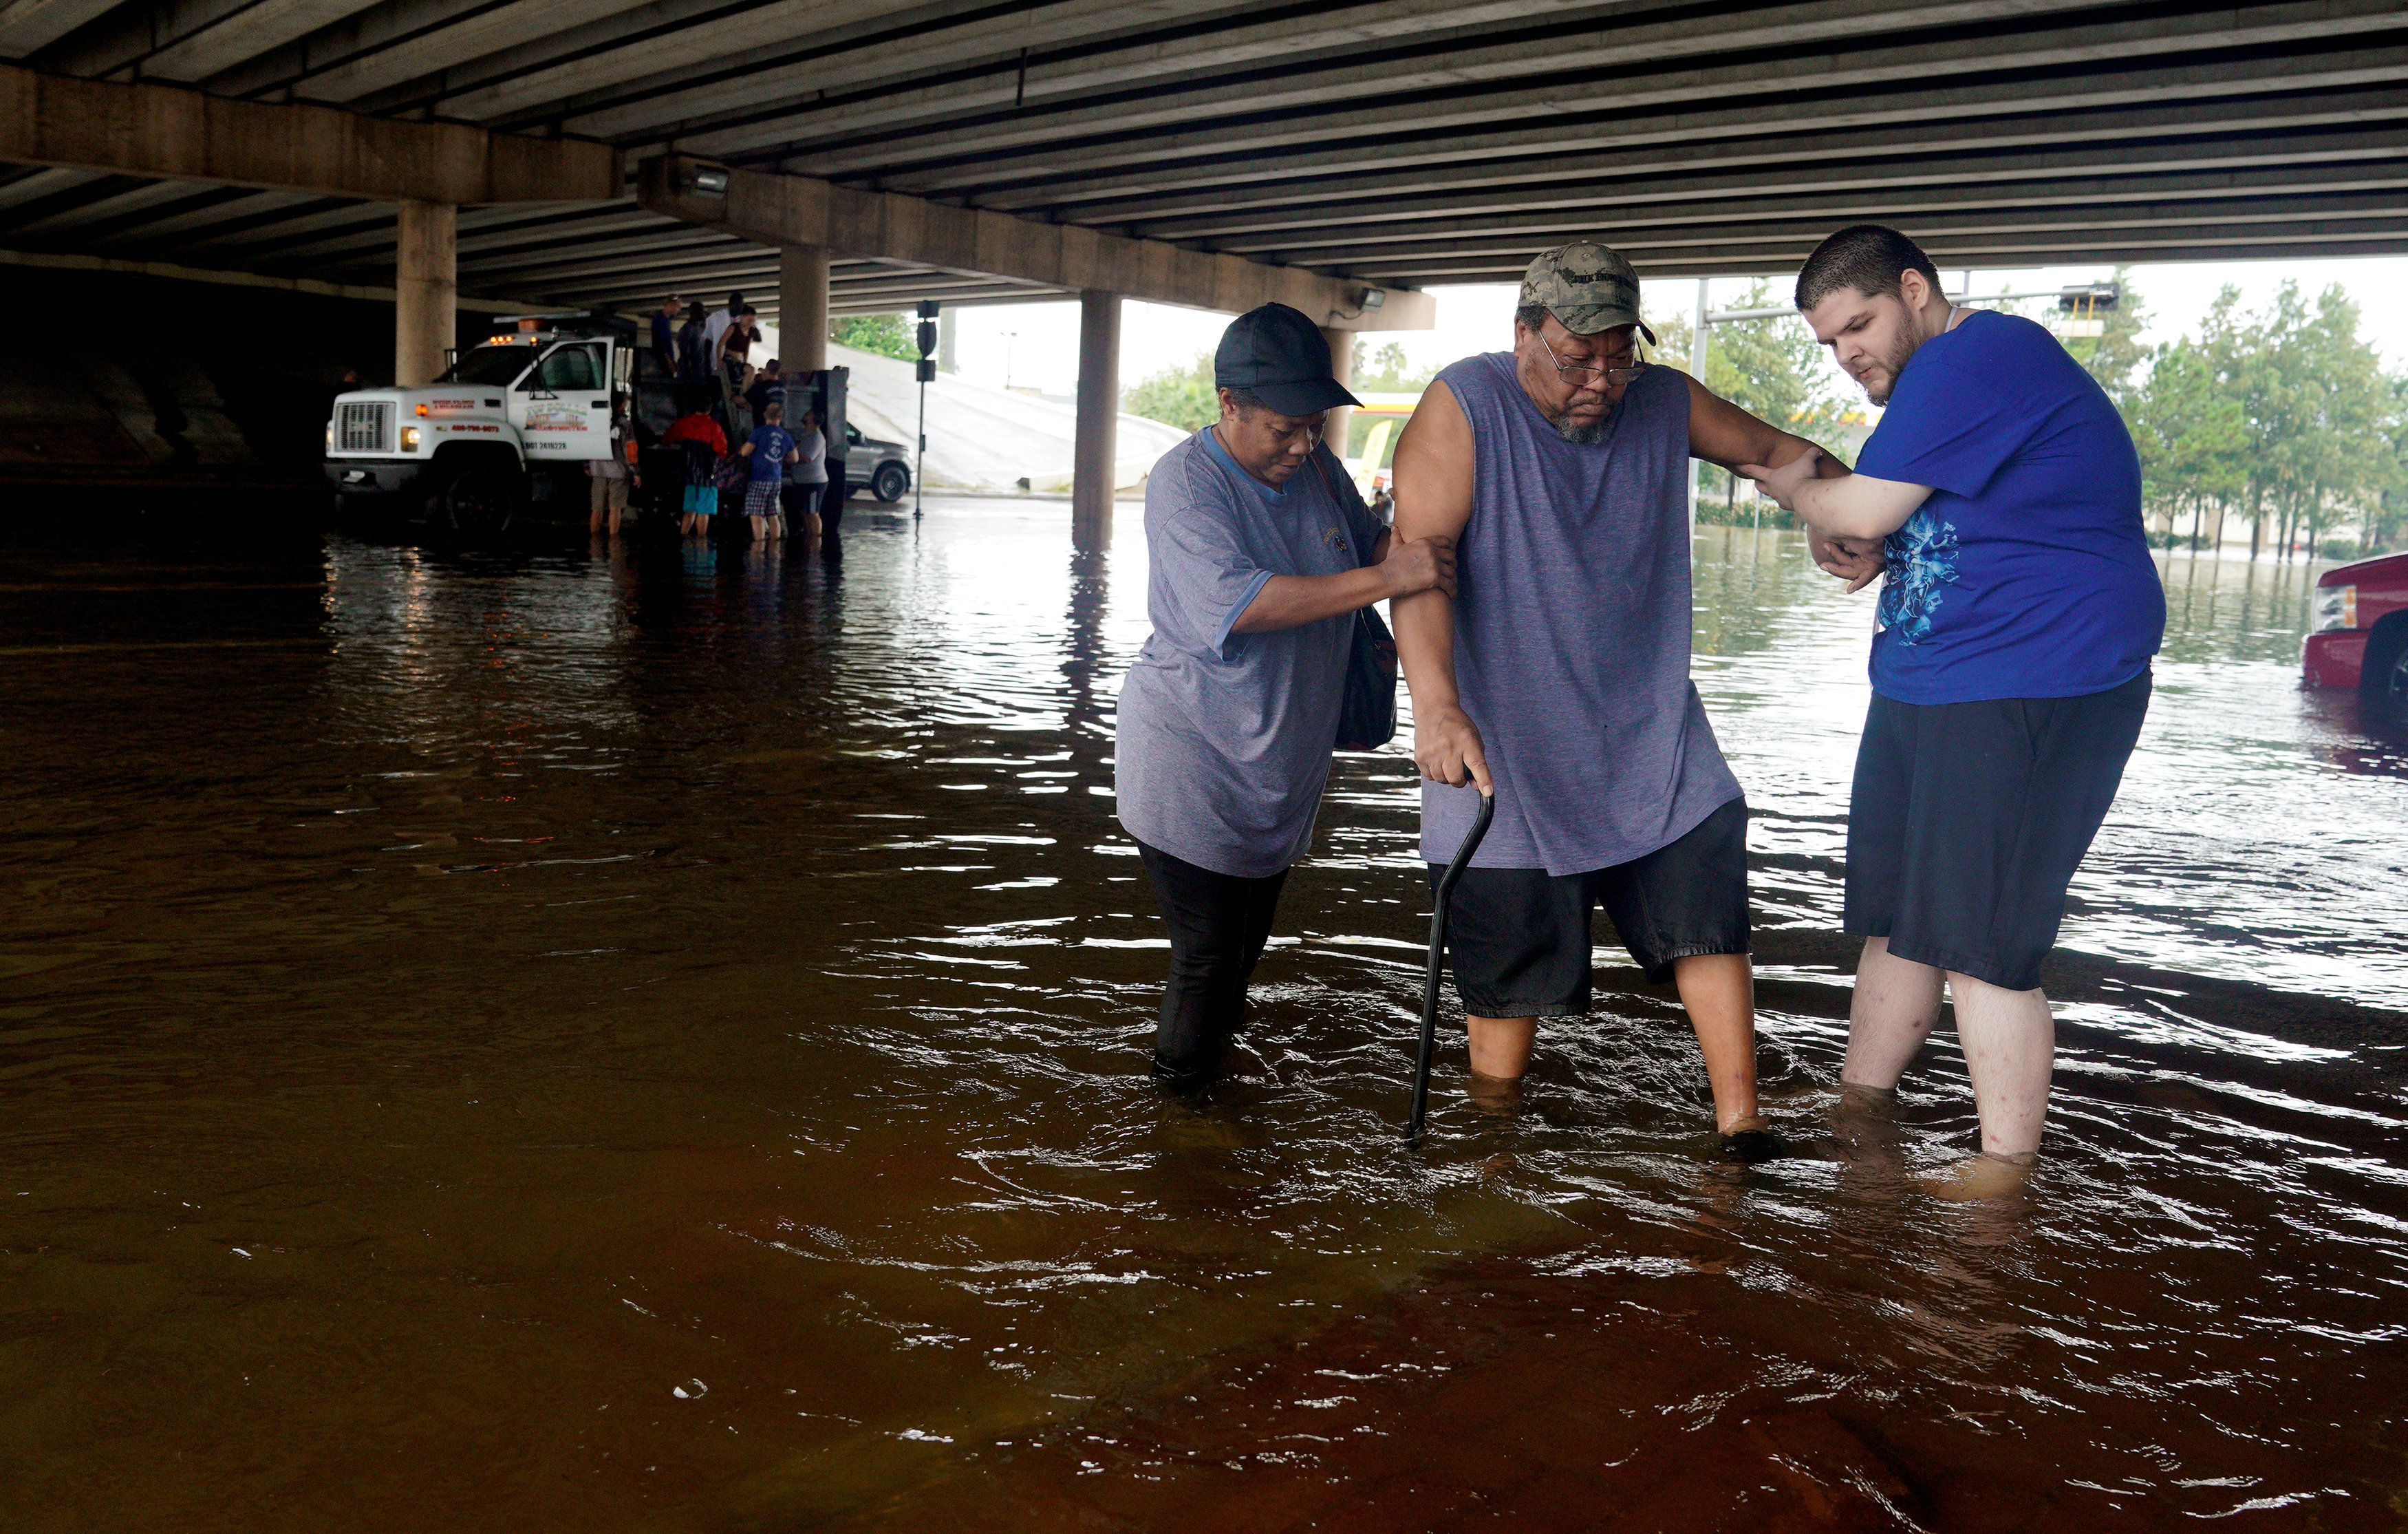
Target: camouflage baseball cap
column 1586, row 287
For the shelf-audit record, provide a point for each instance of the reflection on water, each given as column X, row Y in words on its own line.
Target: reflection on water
column 657, row 1038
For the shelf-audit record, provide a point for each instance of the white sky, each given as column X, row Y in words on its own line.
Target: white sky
column 1038, row 344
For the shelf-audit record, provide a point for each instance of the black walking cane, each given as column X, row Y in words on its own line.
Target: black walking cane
column 1480, row 820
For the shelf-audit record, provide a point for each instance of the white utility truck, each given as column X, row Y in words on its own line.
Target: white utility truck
column 511, row 422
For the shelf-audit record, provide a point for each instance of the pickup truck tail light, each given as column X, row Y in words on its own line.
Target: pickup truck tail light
column 2336, row 606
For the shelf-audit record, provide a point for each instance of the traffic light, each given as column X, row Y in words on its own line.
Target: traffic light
column 2084, row 304
column 928, row 340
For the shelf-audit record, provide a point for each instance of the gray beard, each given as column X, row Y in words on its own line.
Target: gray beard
column 1586, row 434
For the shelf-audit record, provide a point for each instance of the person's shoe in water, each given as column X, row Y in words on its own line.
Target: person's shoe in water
column 1983, row 1176
column 1751, row 1140
column 1183, row 1077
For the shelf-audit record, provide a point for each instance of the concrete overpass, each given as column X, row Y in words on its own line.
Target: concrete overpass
column 1192, row 152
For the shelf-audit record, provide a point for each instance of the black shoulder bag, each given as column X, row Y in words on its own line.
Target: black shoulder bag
column 1367, row 709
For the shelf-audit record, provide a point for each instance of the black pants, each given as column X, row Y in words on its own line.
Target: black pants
column 1218, row 925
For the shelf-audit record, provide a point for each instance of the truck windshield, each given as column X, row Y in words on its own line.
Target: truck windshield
column 493, row 364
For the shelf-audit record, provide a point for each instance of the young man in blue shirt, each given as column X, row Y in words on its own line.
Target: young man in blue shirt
column 768, row 448
column 2011, row 670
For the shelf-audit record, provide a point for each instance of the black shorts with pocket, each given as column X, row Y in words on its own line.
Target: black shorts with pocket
column 1967, row 819
column 1519, row 938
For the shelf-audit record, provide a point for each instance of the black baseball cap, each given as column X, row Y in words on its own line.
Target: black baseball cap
column 1280, row 356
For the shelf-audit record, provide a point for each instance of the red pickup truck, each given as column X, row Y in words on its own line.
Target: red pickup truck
column 2358, row 632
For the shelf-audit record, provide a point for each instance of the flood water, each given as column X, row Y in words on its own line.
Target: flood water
column 560, row 1040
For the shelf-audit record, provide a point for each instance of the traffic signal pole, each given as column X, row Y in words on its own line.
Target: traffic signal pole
column 928, row 308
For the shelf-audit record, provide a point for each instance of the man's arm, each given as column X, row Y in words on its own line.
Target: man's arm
column 1724, row 434
column 1858, row 506
column 1721, row 433
column 1433, row 481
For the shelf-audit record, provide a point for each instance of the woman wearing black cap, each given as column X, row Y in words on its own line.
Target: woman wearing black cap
column 1259, row 553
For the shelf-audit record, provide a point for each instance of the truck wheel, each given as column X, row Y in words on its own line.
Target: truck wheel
column 480, row 503
column 889, row 483
column 2390, row 689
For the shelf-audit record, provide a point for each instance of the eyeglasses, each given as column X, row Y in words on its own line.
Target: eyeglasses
column 1579, row 373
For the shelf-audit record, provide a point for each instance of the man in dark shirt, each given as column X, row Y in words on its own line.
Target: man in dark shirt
column 768, row 384
column 665, row 327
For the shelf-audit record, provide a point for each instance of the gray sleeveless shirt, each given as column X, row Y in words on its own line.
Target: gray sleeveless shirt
column 1571, row 633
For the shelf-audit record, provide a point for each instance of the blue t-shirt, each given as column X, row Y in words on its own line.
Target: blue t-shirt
column 2025, row 573
column 770, row 446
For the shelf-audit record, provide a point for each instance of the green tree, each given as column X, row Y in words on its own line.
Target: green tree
column 2318, row 422
column 1387, row 370
column 1181, row 396
column 887, row 334
column 1773, row 369
column 2193, row 436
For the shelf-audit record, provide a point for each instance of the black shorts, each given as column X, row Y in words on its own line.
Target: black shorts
column 1967, row 819
column 1519, row 938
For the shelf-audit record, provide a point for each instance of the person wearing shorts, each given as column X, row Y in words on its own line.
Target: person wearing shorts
column 768, row 450
column 2011, row 671
column 700, row 438
column 1557, row 677
column 610, row 478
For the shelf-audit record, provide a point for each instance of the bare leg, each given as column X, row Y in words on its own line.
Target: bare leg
column 1894, row 1005
column 1719, row 991
column 615, row 513
column 1500, row 1046
column 2010, row 1042
column 760, row 529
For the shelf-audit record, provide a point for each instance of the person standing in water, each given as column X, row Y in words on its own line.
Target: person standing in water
column 1558, row 678
column 1258, row 554
column 2011, row 671
column 767, row 448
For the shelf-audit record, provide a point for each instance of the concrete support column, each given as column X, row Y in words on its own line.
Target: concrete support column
column 1342, row 367
column 1094, row 454
column 802, row 308
column 426, row 291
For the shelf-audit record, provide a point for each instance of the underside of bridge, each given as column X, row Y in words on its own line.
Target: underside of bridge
column 1403, row 142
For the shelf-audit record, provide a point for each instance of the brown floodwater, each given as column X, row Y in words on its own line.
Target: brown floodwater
column 656, row 1041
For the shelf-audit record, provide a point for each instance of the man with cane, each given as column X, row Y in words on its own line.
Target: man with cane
column 1557, row 675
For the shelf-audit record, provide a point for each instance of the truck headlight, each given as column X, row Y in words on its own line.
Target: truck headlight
column 410, row 439
column 2336, row 606
column 330, row 436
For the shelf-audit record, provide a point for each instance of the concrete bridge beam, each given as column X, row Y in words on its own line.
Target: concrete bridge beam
column 165, row 130
column 802, row 308
column 1095, row 450
column 426, row 291
column 778, row 209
